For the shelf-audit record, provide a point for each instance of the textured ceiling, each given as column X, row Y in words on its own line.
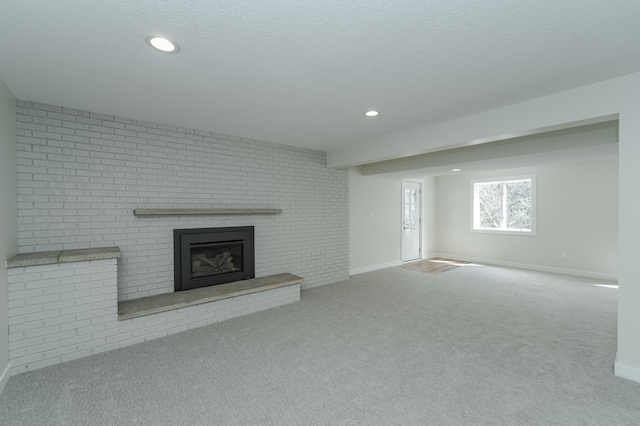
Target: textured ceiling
column 302, row 72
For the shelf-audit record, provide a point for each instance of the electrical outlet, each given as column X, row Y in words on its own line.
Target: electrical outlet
column 373, row 216
column 563, row 256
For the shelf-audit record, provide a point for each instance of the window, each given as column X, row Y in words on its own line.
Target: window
column 504, row 206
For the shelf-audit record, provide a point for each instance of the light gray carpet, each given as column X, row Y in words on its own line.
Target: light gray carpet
column 475, row 345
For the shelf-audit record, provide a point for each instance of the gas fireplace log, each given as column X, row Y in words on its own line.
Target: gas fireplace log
column 202, row 266
column 202, row 258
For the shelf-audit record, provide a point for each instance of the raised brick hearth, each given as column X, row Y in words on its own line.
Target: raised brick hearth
column 65, row 306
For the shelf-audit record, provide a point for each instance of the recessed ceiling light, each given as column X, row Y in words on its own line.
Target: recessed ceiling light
column 372, row 113
column 455, row 170
column 162, row 44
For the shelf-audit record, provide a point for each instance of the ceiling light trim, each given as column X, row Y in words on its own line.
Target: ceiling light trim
column 162, row 43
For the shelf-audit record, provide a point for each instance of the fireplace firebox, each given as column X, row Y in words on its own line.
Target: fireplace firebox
column 209, row 256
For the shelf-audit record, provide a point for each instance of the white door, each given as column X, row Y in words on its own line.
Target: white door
column 410, row 221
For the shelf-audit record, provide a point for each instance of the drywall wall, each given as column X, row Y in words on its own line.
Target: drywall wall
column 429, row 216
column 81, row 175
column 8, row 214
column 374, row 222
column 628, row 356
column 376, row 242
column 577, row 213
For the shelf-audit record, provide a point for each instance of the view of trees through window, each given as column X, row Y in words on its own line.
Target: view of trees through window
column 503, row 205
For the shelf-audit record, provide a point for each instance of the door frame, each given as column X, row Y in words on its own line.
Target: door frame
column 420, row 207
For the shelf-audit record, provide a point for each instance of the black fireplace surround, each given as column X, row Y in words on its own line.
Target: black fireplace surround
column 209, row 256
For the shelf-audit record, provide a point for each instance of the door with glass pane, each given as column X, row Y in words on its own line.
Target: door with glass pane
column 410, row 221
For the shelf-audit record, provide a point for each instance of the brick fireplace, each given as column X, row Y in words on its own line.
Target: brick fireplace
column 81, row 175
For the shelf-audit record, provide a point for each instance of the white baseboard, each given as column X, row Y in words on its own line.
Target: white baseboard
column 357, row 271
column 4, row 378
column 542, row 268
column 626, row 372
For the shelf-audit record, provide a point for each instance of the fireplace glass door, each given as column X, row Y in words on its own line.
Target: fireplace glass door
column 210, row 256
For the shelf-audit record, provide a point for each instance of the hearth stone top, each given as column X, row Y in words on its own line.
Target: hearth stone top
column 202, row 212
column 169, row 301
column 62, row 256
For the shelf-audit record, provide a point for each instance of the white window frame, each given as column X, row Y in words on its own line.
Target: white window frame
column 504, row 180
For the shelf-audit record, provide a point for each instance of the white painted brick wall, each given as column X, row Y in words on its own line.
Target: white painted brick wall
column 81, row 175
column 67, row 311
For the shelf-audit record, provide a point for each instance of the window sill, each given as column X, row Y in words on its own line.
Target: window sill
column 500, row 232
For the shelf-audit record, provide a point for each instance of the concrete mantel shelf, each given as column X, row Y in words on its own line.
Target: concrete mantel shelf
column 169, row 301
column 202, row 212
column 62, row 256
